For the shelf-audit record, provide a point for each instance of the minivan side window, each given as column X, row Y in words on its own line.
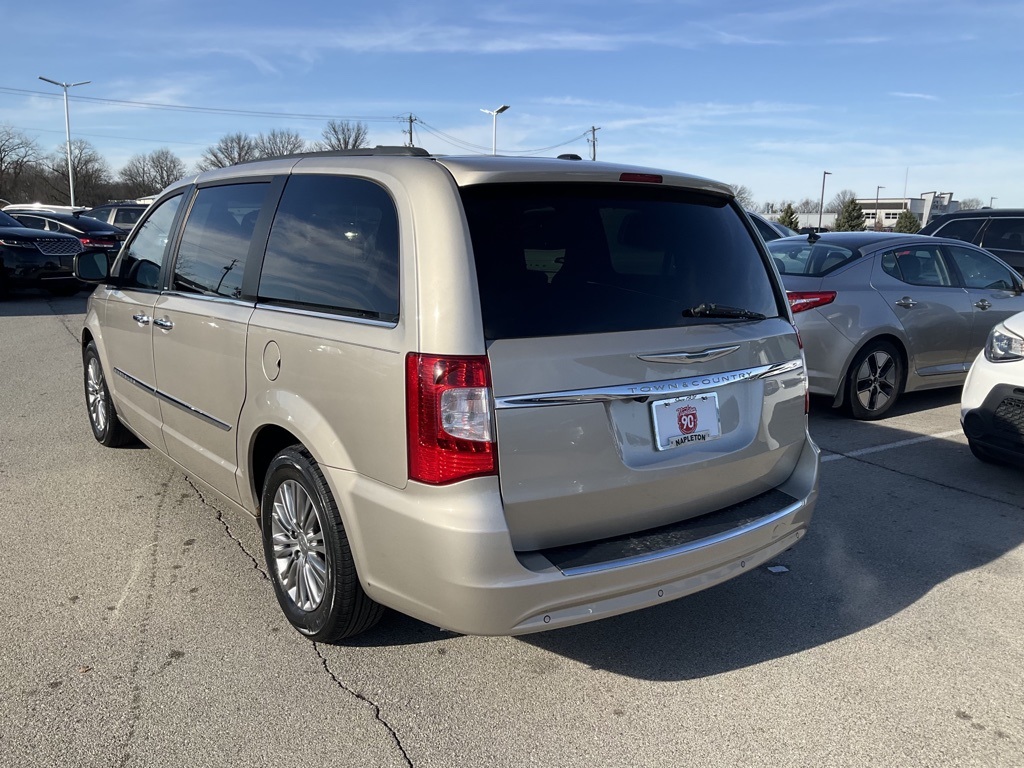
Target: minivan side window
column 215, row 241
column 333, row 247
column 143, row 256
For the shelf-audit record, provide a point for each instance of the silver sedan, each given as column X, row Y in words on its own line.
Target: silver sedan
column 882, row 313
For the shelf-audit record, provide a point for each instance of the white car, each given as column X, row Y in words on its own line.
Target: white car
column 992, row 404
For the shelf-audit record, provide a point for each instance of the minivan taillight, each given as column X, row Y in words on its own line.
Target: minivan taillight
column 449, row 418
column 801, row 301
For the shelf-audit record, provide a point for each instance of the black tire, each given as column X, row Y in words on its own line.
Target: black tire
column 106, row 426
column 875, row 381
column 307, row 552
column 981, row 454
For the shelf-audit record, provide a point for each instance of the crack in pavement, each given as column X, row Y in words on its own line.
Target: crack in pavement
column 135, row 705
column 227, row 529
column 365, row 700
column 62, row 318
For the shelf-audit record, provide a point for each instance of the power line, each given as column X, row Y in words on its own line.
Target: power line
column 436, row 132
column 201, row 110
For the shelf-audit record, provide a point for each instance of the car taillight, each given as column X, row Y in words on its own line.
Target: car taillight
column 98, row 242
column 449, row 418
column 801, row 301
column 644, row 178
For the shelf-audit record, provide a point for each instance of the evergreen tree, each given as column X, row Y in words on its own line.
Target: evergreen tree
column 907, row 223
column 788, row 218
column 850, row 217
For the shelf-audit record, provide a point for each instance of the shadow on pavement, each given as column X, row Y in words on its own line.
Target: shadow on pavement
column 25, row 303
column 883, row 536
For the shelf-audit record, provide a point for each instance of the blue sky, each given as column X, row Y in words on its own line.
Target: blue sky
column 915, row 95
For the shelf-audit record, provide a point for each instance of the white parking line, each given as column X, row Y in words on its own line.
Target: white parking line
column 888, row 446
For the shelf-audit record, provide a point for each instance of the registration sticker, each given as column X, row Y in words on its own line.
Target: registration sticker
column 686, row 420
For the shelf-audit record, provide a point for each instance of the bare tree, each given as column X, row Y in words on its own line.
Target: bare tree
column 342, row 134
column 279, row 142
column 840, row 201
column 807, row 205
column 971, row 204
column 231, row 149
column 92, row 174
column 744, row 196
column 148, row 174
column 18, row 154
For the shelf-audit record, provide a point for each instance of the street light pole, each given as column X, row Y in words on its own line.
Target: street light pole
column 821, row 207
column 992, row 200
column 876, row 207
column 67, row 129
column 494, row 129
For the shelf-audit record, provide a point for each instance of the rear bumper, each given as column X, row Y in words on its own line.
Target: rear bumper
column 444, row 556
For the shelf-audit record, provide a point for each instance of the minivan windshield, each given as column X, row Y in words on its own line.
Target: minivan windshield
column 573, row 258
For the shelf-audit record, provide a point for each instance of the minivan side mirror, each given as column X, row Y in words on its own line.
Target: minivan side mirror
column 92, row 266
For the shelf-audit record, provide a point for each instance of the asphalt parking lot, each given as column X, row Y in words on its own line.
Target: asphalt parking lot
column 139, row 627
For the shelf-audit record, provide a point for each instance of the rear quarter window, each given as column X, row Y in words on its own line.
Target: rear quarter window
column 563, row 259
column 333, row 247
column 811, row 259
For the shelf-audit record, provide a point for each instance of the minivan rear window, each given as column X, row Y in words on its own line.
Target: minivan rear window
column 576, row 258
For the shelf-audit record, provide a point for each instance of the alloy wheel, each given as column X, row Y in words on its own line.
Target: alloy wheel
column 876, row 381
column 96, row 395
column 300, row 557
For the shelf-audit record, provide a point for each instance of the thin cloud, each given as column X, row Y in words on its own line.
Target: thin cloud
column 919, row 96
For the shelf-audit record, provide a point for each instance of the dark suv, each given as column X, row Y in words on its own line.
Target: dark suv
column 33, row 259
column 1000, row 231
column 120, row 214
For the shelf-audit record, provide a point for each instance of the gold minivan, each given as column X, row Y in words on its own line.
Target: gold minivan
column 500, row 395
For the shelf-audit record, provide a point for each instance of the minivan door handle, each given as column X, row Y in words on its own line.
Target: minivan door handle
column 141, row 319
column 983, row 304
column 164, row 323
column 906, row 302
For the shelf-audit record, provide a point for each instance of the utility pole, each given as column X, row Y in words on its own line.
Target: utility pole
column 412, row 119
column 592, row 141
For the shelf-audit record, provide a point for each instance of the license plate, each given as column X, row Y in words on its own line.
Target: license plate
column 686, row 420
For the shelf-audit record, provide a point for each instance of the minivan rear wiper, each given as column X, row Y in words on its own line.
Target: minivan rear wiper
column 720, row 310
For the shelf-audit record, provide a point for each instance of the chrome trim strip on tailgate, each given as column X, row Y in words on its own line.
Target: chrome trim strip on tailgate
column 173, row 401
column 645, row 390
column 689, row 547
column 690, row 357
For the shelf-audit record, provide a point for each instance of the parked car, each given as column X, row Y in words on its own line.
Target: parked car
column 49, row 208
column 768, row 229
column 883, row 313
column 992, row 403
column 33, row 259
column 94, row 234
column 998, row 230
column 121, row 214
column 501, row 395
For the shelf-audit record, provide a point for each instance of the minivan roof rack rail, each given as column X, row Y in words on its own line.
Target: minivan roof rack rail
column 361, row 152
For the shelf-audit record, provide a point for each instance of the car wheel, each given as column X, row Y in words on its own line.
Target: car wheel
column 106, row 426
column 308, row 554
column 875, row 381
